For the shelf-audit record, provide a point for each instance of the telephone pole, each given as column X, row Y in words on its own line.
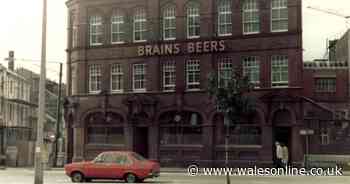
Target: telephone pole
column 39, row 175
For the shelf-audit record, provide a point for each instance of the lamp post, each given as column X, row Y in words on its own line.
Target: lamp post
column 39, row 175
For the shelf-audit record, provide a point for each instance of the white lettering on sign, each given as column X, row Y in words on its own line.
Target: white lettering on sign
column 174, row 49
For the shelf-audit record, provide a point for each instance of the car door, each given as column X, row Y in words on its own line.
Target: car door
column 100, row 168
column 122, row 165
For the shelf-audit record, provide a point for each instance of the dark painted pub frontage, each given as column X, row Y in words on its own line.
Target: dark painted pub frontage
column 137, row 79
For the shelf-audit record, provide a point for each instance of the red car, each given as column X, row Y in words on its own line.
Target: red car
column 124, row 165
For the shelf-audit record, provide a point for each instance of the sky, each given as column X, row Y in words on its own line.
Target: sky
column 22, row 19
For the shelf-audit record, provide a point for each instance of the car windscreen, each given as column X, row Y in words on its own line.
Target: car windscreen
column 138, row 157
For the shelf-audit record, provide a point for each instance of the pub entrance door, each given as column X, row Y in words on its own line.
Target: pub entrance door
column 141, row 141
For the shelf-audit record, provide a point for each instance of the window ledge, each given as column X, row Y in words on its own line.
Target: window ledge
column 223, row 35
column 279, row 31
column 250, row 33
column 140, row 41
column 169, row 39
column 94, row 92
column 117, row 43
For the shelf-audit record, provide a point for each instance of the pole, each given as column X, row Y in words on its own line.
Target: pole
column 306, row 151
column 226, row 150
column 39, row 175
column 58, row 134
column 3, row 127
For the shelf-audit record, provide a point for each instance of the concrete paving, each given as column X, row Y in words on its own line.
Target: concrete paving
column 55, row 176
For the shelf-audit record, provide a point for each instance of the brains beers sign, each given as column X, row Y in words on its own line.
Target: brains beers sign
column 177, row 48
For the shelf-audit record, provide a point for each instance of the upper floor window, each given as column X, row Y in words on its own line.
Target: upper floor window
column 225, row 70
column 193, row 21
column 140, row 25
column 169, row 75
column 251, row 23
column 96, row 30
column 325, row 85
column 117, row 78
column 74, row 35
column 251, row 69
column 139, row 77
column 193, row 74
column 117, row 27
column 279, row 68
column 74, row 81
column 224, row 18
column 279, row 15
column 95, row 78
column 169, row 23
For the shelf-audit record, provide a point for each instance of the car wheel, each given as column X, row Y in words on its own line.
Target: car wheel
column 130, row 178
column 77, row 177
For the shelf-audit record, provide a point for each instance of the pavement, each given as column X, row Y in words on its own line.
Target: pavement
column 57, row 176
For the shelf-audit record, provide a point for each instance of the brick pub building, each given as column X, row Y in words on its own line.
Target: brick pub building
column 137, row 74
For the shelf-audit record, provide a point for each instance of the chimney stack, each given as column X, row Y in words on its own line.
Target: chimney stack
column 11, row 60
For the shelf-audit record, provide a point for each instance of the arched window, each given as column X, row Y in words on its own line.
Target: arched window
column 96, row 30
column 180, row 128
column 105, row 129
column 193, row 20
column 140, row 25
column 251, row 22
column 117, row 27
column 224, row 18
column 169, row 23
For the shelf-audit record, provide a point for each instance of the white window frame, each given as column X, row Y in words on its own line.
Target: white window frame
column 96, row 23
column 95, row 75
column 193, row 12
column 141, row 19
column 117, row 19
column 224, row 10
column 193, row 71
column 117, row 71
column 250, row 7
column 279, row 8
column 74, row 36
column 225, row 65
column 169, row 15
column 142, row 72
column 169, row 72
column 327, row 84
column 280, row 62
column 251, row 67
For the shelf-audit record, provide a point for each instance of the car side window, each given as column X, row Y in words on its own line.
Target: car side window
column 110, row 158
column 123, row 160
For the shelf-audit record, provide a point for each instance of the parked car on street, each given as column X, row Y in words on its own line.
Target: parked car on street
column 121, row 165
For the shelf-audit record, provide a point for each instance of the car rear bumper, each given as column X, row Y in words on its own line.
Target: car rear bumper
column 153, row 174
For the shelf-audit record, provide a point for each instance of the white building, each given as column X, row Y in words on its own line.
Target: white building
column 17, row 114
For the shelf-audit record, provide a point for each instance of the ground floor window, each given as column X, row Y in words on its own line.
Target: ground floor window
column 180, row 128
column 246, row 131
column 105, row 128
column 106, row 135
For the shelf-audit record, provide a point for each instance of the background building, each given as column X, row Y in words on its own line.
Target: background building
column 137, row 78
column 52, row 89
column 17, row 111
